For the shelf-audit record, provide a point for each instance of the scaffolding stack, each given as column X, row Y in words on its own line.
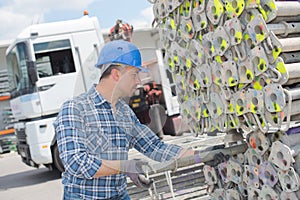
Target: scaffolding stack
column 7, row 138
column 235, row 64
column 6, row 114
column 4, row 86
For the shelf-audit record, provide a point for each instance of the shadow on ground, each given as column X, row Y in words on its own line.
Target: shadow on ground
column 32, row 177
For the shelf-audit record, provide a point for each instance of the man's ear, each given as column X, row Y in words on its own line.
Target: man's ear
column 115, row 74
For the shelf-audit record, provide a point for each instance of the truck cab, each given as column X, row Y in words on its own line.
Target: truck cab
column 48, row 64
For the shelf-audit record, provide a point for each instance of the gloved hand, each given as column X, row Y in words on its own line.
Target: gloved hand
column 218, row 158
column 134, row 169
column 197, row 157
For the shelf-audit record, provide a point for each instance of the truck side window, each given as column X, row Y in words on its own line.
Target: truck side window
column 54, row 58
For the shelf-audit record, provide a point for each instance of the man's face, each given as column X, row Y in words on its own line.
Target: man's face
column 129, row 81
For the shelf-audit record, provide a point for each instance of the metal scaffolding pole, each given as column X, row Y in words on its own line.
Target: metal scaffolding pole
column 287, row 8
column 293, row 70
column 295, row 92
column 295, row 108
column 204, row 157
column 286, row 19
column 284, row 28
column 290, row 44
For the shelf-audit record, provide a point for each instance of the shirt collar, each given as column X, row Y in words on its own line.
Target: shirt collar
column 98, row 99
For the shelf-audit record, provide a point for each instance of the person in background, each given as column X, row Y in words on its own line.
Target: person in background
column 96, row 129
column 118, row 27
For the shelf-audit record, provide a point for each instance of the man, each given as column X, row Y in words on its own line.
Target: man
column 118, row 27
column 96, row 130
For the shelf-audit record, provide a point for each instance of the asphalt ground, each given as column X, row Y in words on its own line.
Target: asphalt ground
column 21, row 182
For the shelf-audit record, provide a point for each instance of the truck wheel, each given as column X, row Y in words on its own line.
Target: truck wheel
column 56, row 160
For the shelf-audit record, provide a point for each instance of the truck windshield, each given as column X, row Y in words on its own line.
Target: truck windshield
column 19, row 82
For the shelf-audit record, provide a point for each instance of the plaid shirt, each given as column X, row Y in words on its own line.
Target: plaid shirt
column 88, row 131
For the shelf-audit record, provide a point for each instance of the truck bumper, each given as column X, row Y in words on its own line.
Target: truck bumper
column 34, row 141
column 35, row 155
column 24, row 152
column 41, row 153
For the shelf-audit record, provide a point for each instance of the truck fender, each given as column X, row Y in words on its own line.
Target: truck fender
column 53, row 140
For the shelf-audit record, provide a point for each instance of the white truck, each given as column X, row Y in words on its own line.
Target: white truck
column 52, row 62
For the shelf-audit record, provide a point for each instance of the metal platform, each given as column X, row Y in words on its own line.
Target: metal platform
column 183, row 183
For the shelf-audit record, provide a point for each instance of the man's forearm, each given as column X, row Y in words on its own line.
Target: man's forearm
column 186, row 153
column 111, row 167
column 107, row 168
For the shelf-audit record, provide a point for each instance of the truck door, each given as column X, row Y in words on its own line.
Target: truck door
column 58, row 72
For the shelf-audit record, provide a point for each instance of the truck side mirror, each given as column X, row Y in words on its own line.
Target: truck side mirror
column 31, row 67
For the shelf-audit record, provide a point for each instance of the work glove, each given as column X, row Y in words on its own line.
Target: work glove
column 134, row 169
column 197, row 157
column 218, row 158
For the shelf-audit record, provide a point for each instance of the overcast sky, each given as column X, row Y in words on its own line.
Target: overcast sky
column 17, row 14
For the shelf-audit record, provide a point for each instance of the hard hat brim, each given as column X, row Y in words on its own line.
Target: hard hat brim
column 106, row 66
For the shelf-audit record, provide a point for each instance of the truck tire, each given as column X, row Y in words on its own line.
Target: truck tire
column 56, row 160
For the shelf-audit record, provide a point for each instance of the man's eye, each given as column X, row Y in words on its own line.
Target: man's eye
column 134, row 75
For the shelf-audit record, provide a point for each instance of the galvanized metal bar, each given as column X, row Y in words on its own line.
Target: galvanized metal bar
column 204, row 157
column 288, row 8
column 295, row 108
column 292, row 81
column 286, row 19
column 293, row 70
column 294, row 73
column 295, row 92
column 290, row 44
column 291, row 57
column 284, row 28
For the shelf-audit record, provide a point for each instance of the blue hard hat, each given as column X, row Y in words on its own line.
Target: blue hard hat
column 120, row 52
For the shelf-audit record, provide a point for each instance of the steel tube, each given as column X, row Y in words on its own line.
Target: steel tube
column 284, row 28
column 287, row 8
column 204, row 157
column 293, row 70
column 291, row 57
column 292, row 81
column 295, row 92
column 286, row 19
column 290, row 44
column 295, row 108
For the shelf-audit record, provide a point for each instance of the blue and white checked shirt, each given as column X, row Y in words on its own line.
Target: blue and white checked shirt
column 88, row 131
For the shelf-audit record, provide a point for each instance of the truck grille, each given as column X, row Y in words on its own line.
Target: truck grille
column 21, row 135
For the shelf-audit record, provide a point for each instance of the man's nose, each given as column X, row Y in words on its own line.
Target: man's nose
column 138, row 80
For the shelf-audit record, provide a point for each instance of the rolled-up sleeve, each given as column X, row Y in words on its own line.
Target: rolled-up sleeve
column 147, row 142
column 69, row 127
